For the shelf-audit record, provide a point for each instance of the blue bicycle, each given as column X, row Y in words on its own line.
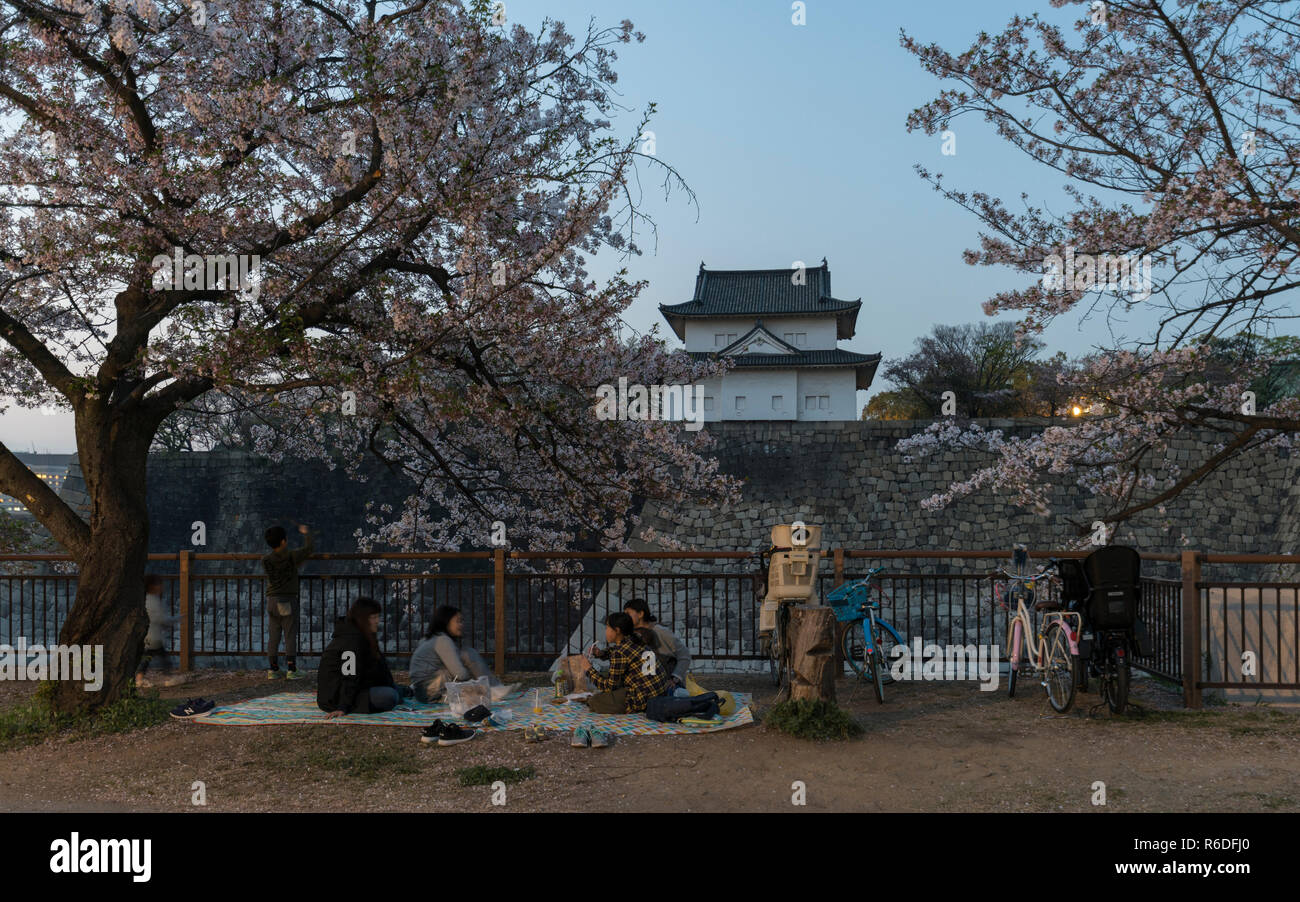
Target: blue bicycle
column 868, row 649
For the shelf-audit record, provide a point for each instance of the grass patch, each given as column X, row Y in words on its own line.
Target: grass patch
column 36, row 721
column 364, row 765
column 819, row 720
column 330, row 751
column 480, row 775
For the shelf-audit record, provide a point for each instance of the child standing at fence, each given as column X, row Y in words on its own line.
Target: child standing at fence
column 281, row 567
column 155, row 643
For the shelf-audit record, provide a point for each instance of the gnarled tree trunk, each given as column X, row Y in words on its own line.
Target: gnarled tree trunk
column 109, row 608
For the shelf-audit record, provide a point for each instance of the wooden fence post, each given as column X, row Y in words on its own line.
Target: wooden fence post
column 499, row 609
column 1191, row 616
column 185, row 590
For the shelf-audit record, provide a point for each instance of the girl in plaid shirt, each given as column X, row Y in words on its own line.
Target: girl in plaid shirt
column 634, row 676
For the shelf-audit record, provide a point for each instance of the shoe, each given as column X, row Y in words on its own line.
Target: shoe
column 431, row 732
column 501, row 693
column 705, row 721
column 293, row 675
column 535, row 734
column 477, row 713
column 454, row 735
column 601, row 740
column 273, row 674
column 192, row 707
column 581, row 738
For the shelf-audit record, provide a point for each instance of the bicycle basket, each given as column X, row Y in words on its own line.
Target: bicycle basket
column 848, row 613
column 847, row 603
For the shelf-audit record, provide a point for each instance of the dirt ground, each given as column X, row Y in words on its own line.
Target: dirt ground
column 932, row 747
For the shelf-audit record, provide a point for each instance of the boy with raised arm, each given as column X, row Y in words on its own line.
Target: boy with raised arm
column 281, row 567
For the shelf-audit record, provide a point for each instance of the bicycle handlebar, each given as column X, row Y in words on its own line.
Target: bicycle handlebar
column 1045, row 573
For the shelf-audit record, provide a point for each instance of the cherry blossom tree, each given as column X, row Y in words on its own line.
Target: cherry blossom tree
column 381, row 215
column 1176, row 125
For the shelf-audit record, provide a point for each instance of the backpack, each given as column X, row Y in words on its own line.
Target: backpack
column 667, row 709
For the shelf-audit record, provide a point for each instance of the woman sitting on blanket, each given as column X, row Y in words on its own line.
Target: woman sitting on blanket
column 673, row 654
column 441, row 658
column 634, row 676
column 354, row 677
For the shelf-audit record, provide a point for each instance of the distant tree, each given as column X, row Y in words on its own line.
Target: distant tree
column 981, row 364
column 1040, row 391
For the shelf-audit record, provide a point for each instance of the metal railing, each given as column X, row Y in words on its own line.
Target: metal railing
column 710, row 599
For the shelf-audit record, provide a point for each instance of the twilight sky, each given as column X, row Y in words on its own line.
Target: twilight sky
column 793, row 139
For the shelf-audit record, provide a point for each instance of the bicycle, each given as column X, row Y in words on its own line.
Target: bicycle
column 774, row 645
column 868, row 641
column 1055, row 654
column 1105, row 588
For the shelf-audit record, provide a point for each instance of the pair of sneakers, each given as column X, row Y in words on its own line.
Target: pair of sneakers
column 597, row 739
column 192, row 707
column 290, row 675
column 446, row 733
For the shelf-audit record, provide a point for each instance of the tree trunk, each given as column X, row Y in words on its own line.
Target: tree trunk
column 109, row 612
column 812, row 659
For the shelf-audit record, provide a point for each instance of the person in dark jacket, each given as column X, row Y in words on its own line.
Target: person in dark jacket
column 354, row 677
column 281, row 567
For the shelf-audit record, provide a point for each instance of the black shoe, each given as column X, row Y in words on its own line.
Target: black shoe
column 432, row 732
column 192, row 707
column 480, row 712
column 454, row 735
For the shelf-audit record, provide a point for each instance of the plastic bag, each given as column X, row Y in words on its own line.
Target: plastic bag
column 468, row 694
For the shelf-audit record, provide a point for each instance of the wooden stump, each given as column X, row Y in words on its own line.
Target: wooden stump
column 812, row 652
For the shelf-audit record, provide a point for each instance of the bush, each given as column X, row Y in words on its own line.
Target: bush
column 818, row 720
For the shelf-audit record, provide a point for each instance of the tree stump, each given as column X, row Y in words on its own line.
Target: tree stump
column 812, row 652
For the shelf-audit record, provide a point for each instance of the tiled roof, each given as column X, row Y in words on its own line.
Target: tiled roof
column 763, row 292
column 865, row 364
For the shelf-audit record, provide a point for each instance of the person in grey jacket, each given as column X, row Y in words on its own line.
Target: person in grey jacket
column 442, row 658
column 672, row 652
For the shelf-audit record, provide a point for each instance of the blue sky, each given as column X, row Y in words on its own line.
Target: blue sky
column 793, row 139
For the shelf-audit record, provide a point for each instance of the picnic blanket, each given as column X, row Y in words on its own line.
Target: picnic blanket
column 300, row 707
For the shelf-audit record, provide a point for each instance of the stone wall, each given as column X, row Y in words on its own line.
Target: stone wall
column 846, row 476
column 849, row 478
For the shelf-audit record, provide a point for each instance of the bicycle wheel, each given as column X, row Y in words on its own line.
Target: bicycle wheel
column 877, row 669
column 1059, row 669
column 772, row 645
column 1014, row 648
column 887, row 638
column 854, row 647
column 1118, row 699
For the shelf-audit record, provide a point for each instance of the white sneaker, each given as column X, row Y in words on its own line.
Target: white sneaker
column 500, row 692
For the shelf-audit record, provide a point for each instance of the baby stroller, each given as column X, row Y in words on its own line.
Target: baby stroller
column 1105, row 587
